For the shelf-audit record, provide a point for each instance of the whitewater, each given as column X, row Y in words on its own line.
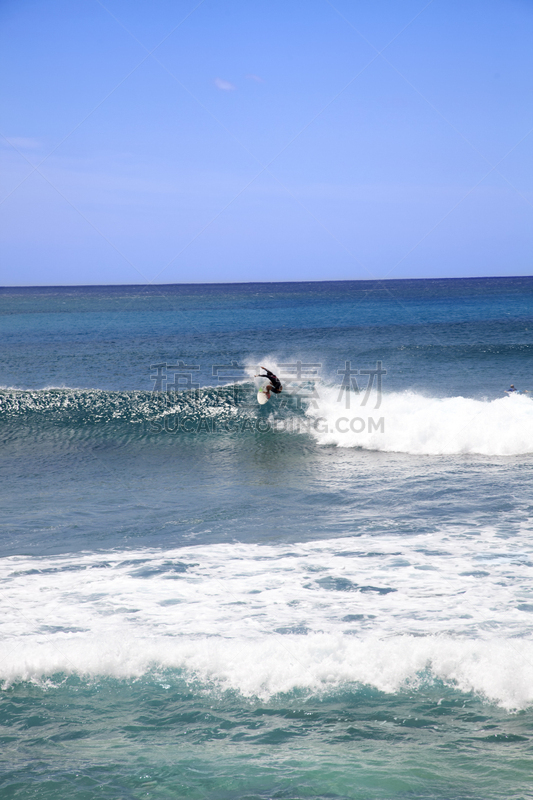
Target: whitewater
column 263, row 620
column 408, row 422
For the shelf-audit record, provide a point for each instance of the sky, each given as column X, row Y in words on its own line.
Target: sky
column 192, row 141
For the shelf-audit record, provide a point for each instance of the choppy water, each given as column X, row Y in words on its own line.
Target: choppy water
column 328, row 596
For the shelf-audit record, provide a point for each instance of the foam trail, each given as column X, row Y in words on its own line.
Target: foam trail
column 411, row 423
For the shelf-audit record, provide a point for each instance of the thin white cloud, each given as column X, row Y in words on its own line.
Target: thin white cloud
column 225, row 86
column 255, row 78
column 23, row 142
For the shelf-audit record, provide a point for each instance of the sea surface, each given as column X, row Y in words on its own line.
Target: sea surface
column 328, row 596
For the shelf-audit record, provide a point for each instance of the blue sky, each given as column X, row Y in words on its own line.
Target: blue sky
column 243, row 140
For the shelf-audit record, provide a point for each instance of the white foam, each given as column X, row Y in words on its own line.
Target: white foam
column 268, row 619
column 411, row 423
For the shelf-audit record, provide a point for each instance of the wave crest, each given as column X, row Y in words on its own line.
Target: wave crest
column 400, row 423
column 411, row 423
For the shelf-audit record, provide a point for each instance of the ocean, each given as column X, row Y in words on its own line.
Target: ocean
column 327, row 596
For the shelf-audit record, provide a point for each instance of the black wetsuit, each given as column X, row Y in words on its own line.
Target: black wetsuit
column 274, row 382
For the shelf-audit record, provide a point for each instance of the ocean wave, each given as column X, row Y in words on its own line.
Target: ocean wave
column 263, row 620
column 404, row 422
column 96, row 407
column 412, row 423
column 317, row 664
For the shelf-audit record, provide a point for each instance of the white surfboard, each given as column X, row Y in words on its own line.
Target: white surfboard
column 262, row 397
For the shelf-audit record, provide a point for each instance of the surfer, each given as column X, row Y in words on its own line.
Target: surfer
column 511, row 389
column 274, row 385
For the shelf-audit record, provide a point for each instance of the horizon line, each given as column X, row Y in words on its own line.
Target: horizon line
column 257, row 283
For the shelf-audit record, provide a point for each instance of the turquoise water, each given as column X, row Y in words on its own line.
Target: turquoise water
column 325, row 597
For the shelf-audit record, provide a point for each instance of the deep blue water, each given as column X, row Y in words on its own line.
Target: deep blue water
column 326, row 596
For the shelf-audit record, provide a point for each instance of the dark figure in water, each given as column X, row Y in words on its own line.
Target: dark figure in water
column 274, row 385
column 511, row 389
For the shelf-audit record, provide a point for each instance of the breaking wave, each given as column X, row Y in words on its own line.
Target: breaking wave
column 397, row 422
column 263, row 620
column 415, row 424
